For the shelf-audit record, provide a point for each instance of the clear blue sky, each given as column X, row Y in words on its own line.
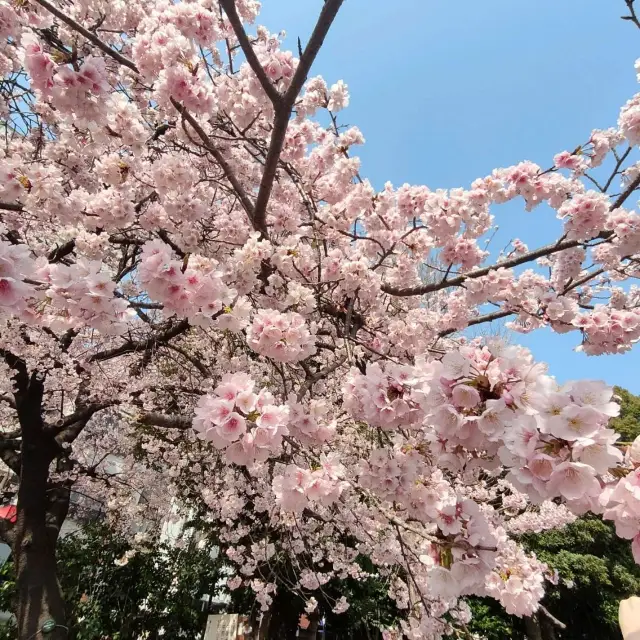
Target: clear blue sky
column 446, row 91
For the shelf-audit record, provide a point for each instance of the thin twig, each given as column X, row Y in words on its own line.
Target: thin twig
column 225, row 166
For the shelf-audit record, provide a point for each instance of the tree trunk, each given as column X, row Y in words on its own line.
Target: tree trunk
column 532, row 627
column 42, row 505
column 548, row 629
column 311, row 632
column 263, row 626
column 41, row 509
column 40, row 600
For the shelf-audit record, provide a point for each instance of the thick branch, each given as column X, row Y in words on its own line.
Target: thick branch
column 11, row 206
column 323, row 373
column 164, row 236
column 70, row 22
column 192, row 359
column 229, row 7
column 514, row 262
column 552, row 618
column 62, row 251
column 626, row 193
column 68, row 429
column 496, row 315
column 632, row 17
column 547, row 250
column 325, row 20
column 160, row 420
column 283, row 111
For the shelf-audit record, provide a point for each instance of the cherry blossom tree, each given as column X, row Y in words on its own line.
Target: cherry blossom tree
column 186, row 248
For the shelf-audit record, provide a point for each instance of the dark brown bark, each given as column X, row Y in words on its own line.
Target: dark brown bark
column 548, row 629
column 533, row 628
column 42, row 505
column 41, row 509
column 34, row 548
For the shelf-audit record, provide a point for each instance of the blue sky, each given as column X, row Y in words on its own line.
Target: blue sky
column 446, row 91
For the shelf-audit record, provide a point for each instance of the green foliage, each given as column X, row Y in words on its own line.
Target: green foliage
column 596, row 571
column 370, row 607
column 8, row 630
column 157, row 590
column 491, row 622
column 627, row 424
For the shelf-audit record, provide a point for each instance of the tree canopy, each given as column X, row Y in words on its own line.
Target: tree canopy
column 206, row 307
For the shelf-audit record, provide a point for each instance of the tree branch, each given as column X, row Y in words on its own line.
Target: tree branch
column 55, row 255
column 626, row 193
column 164, row 236
column 514, row 262
column 632, row 17
column 68, row 429
column 131, row 346
column 552, row 618
column 283, row 111
column 229, row 7
column 323, row 373
column 224, row 165
column 70, row 22
column 192, row 359
column 11, row 206
column 160, row 420
column 489, row 317
column 477, row 273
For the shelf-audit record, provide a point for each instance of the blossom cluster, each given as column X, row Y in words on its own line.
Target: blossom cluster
column 80, row 295
column 621, row 503
column 481, row 408
column 16, row 264
column 382, row 397
column 312, row 425
column 195, row 289
column 60, row 296
column 284, row 337
column 248, row 426
column 295, row 487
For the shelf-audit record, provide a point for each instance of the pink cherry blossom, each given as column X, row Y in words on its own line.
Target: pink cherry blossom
column 197, row 275
column 574, row 480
